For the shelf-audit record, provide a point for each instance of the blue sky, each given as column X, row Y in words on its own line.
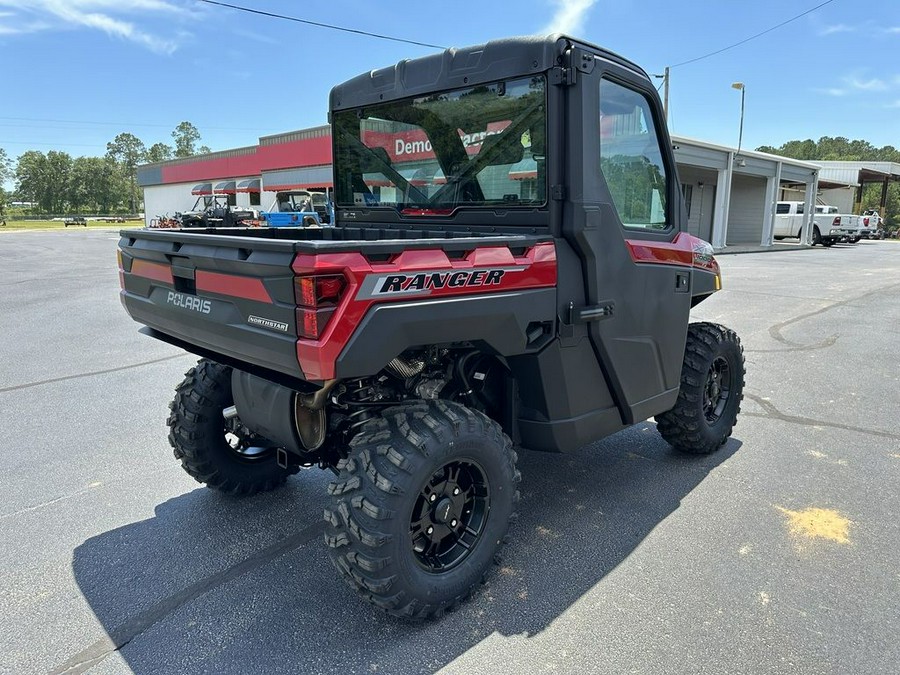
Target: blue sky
column 77, row 72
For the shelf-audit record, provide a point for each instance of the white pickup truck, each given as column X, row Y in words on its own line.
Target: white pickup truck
column 851, row 227
column 872, row 225
column 827, row 228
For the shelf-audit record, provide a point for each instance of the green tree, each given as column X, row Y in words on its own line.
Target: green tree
column 6, row 174
column 31, row 168
column 44, row 179
column 186, row 138
column 59, row 167
column 79, row 186
column 97, row 185
column 159, row 152
column 128, row 151
column 841, row 148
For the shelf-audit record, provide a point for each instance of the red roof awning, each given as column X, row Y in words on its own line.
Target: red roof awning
column 226, row 187
column 202, row 189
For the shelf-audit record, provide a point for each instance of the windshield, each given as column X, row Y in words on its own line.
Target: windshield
column 481, row 146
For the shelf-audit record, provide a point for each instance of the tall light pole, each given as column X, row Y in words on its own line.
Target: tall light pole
column 740, row 85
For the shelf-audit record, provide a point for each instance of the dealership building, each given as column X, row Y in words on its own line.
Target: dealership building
column 730, row 195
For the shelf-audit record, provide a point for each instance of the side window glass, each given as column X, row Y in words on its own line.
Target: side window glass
column 782, row 208
column 630, row 158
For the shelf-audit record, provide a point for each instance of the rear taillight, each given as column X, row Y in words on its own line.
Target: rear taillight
column 837, row 222
column 866, row 222
column 317, row 298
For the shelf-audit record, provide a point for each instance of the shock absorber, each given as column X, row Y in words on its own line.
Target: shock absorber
column 361, row 400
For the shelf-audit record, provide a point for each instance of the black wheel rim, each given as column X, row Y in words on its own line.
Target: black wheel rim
column 241, row 445
column 717, row 390
column 449, row 515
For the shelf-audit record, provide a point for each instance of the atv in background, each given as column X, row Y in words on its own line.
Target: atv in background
column 214, row 211
column 301, row 208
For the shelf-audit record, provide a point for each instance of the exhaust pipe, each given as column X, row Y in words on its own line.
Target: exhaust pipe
column 291, row 420
column 309, row 416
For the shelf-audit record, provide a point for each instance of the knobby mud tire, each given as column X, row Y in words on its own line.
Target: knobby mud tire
column 392, row 459
column 687, row 426
column 197, row 435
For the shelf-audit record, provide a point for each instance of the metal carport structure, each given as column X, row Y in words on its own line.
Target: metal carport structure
column 858, row 175
column 746, row 186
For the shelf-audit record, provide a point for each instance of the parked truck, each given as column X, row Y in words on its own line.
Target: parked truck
column 826, row 227
column 415, row 346
column 873, row 225
column 851, row 227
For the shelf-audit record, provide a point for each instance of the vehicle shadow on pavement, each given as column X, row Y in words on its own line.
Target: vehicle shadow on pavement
column 219, row 585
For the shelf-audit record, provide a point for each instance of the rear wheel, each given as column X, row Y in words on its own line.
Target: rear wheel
column 212, row 449
column 421, row 506
column 816, row 235
column 712, row 385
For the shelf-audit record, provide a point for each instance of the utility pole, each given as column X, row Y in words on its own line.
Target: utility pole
column 665, row 78
column 666, row 94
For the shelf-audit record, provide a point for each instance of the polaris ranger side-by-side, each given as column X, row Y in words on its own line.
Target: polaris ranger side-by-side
column 509, row 267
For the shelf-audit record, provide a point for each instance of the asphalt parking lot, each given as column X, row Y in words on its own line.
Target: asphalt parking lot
column 778, row 554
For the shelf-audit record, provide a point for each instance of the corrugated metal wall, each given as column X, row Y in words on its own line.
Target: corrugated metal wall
column 842, row 198
column 745, row 218
column 703, row 196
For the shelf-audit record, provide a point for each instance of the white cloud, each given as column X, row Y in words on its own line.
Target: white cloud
column 895, row 30
column 873, row 84
column 116, row 18
column 256, row 37
column 569, row 16
column 832, row 91
column 837, row 28
column 857, row 85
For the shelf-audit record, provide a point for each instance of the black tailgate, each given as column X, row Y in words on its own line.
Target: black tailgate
column 227, row 297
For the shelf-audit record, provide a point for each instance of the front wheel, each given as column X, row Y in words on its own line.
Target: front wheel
column 214, row 450
column 712, row 387
column 421, row 506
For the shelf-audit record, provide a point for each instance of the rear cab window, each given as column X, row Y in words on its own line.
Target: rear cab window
column 479, row 147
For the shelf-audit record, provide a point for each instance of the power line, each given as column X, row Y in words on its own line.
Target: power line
column 273, row 15
column 118, row 124
column 753, row 37
column 67, row 145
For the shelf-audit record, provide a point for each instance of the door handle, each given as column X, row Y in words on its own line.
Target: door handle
column 591, row 312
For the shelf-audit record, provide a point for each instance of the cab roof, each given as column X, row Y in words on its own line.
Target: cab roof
column 457, row 68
